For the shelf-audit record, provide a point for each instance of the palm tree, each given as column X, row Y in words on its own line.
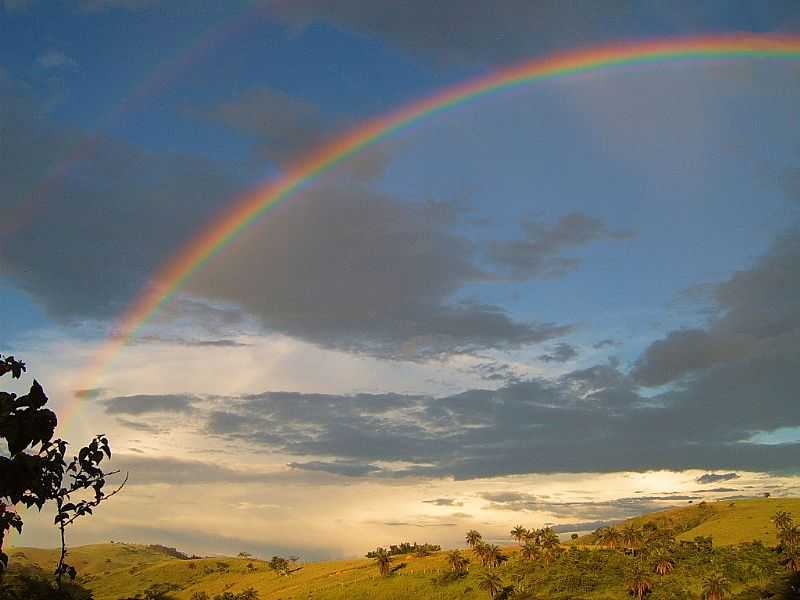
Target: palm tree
column 664, row 564
column 492, row 556
column 789, row 536
column 638, row 583
column 716, row 587
column 457, row 561
column 491, row 582
column 530, row 551
column 792, row 559
column 609, row 537
column 384, row 562
column 518, row 533
column 631, row 537
column 473, row 538
column 782, row 520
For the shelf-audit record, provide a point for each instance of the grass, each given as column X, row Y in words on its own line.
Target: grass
column 114, row 571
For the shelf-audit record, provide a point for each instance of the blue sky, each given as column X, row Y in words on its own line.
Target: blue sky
column 617, row 245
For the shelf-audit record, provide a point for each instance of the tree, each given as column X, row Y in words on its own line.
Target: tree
column 791, row 559
column 35, row 471
column 518, row 533
column 473, row 538
column 789, row 536
column 664, row 564
column 457, row 562
column 383, row 561
column 491, row 583
column 638, row 582
column 609, row 537
column 530, row 551
column 492, row 556
column 279, row 564
column 782, row 520
column 631, row 537
column 716, row 587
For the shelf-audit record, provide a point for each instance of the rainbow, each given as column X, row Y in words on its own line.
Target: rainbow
column 249, row 208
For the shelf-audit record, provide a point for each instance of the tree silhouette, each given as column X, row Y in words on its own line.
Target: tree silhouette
column 35, row 471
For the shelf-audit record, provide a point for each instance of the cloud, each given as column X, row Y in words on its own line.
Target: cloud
column 348, row 469
column 281, row 126
column 618, row 508
column 151, row 470
column 539, row 253
column 55, row 59
column 466, row 30
column 606, row 343
column 591, row 419
column 716, row 477
column 140, row 405
column 561, row 353
column 756, row 312
column 444, row 502
column 351, row 244
column 77, row 254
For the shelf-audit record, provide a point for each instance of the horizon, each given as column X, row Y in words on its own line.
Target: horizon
column 572, row 300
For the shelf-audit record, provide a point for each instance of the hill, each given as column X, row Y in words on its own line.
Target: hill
column 116, row 571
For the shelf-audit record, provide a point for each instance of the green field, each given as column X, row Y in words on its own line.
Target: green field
column 115, row 571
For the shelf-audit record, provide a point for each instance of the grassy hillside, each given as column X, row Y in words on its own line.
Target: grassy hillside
column 114, row 571
column 727, row 522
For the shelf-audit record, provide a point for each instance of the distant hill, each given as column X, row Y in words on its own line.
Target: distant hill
column 728, row 522
column 118, row 570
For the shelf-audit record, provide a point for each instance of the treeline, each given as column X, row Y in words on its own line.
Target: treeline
column 405, row 548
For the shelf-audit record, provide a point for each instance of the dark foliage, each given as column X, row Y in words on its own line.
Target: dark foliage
column 407, row 548
column 35, row 470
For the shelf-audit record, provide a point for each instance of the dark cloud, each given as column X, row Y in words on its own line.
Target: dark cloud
column 592, row 419
column 756, row 316
column 561, row 352
column 142, row 404
column 348, row 469
column 607, row 343
column 150, row 470
column 539, row 252
column 494, row 371
column 379, row 276
column 381, row 273
column 618, row 508
column 145, row 427
column 716, row 477
column 179, row 341
column 282, row 127
column 65, row 242
column 444, row 502
column 467, row 30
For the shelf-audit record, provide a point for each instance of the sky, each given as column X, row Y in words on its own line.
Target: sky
column 568, row 302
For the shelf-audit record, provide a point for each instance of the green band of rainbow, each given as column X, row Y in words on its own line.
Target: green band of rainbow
column 246, row 210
